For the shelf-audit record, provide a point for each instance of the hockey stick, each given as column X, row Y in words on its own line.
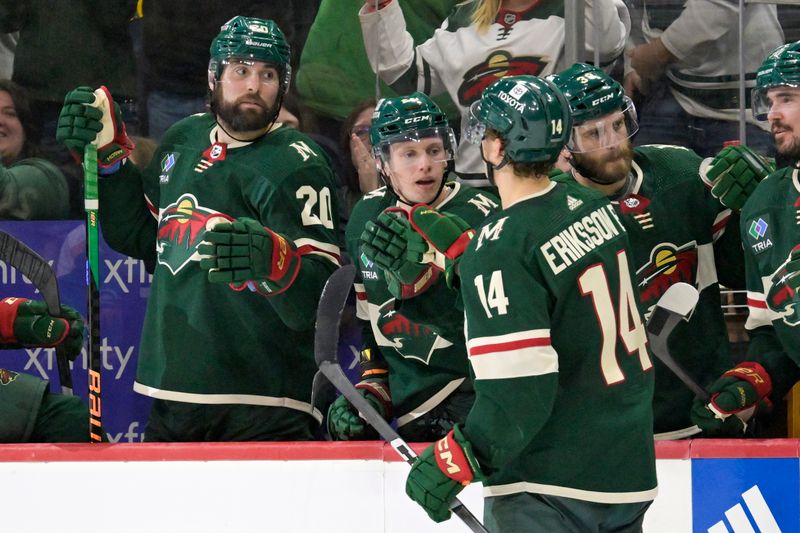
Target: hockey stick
column 32, row 266
column 676, row 304
column 326, row 342
column 94, row 355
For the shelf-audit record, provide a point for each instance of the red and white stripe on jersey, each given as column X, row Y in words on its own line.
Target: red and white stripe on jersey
column 758, row 312
column 152, row 208
column 362, row 305
column 327, row 250
column 524, row 353
column 720, row 223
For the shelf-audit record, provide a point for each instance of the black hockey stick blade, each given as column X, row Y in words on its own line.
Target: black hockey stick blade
column 326, row 348
column 35, row 268
column 676, row 304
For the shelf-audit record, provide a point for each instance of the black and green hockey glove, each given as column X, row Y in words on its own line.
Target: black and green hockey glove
column 735, row 398
column 344, row 423
column 440, row 472
column 26, row 323
column 734, row 173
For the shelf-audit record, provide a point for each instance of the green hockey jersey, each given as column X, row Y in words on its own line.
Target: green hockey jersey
column 557, row 343
column 204, row 342
column 421, row 340
column 675, row 227
column 770, row 229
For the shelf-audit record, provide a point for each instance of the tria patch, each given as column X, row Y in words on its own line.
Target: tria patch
column 167, row 165
column 759, row 234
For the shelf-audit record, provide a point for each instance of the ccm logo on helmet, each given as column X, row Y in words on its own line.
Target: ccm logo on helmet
column 414, row 119
column 602, row 99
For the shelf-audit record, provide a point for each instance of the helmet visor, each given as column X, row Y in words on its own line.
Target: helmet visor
column 240, row 70
column 476, row 128
column 606, row 131
column 763, row 98
column 410, row 149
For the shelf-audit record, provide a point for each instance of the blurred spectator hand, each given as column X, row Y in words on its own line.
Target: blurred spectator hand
column 364, row 163
column 650, row 60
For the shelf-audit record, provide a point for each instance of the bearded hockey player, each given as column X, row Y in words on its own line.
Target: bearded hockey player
column 555, row 340
column 414, row 363
column 771, row 242
column 227, row 342
column 678, row 231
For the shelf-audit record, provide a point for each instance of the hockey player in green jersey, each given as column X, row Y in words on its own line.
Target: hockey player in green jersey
column 30, row 413
column 561, row 432
column 679, row 231
column 414, row 362
column 771, row 241
column 239, row 214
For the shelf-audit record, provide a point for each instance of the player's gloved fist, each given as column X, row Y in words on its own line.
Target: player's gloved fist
column 243, row 250
column 344, row 423
column 734, row 399
column 734, row 173
column 26, row 323
column 441, row 472
column 386, row 241
column 445, row 235
column 93, row 116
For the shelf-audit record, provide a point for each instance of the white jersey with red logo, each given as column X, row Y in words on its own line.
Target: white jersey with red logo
column 462, row 61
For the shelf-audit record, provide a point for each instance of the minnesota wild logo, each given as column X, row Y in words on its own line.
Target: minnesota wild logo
column 7, row 376
column 783, row 297
column 180, row 230
column 411, row 340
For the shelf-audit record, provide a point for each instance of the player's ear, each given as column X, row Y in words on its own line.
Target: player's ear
column 212, row 82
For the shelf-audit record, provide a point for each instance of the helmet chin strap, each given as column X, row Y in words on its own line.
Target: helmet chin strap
column 491, row 167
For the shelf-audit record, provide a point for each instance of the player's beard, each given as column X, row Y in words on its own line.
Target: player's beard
column 241, row 120
column 612, row 168
column 789, row 149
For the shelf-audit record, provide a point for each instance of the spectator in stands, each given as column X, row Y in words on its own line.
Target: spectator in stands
column 479, row 40
column 361, row 174
column 62, row 45
column 682, row 69
column 32, row 188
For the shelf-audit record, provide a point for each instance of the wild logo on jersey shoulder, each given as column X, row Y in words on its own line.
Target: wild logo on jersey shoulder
column 759, row 234
column 499, row 64
column 180, row 229
column 668, row 264
column 7, row 376
column 411, row 340
column 783, row 297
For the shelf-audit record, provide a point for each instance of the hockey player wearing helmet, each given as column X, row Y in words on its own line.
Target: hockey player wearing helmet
column 555, row 340
column 239, row 215
column 649, row 187
column 771, row 243
column 413, row 360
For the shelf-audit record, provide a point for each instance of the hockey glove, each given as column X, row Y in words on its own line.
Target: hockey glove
column 739, row 392
column 446, row 237
column 344, row 423
column 441, row 472
column 93, row 117
column 245, row 251
column 734, row 174
column 26, row 323
column 386, row 241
